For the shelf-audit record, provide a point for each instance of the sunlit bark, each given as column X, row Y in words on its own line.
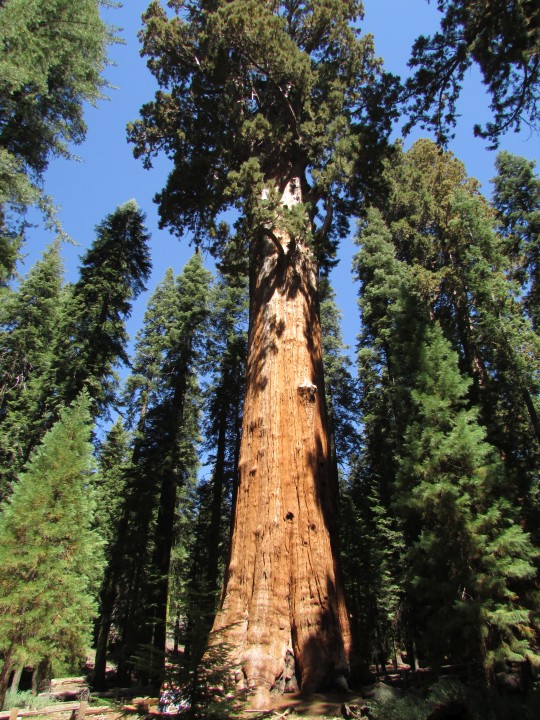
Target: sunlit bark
column 282, row 593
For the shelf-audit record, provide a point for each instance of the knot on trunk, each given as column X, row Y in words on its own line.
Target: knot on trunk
column 307, row 390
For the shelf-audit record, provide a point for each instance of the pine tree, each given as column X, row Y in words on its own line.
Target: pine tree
column 341, row 388
column 57, row 53
column 372, row 547
column 516, row 195
column 92, row 340
column 225, row 357
column 29, row 320
column 464, row 565
column 224, row 367
column 164, row 407
column 50, row 555
column 79, row 331
column 114, row 456
column 372, row 532
column 264, row 107
column 467, row 553
column 443, row 230
column 128, row 555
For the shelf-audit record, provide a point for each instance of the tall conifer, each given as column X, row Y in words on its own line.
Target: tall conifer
column 29, row 319
column 46, row 77
column 424, row 446
column 92, row 339
column 444, row 232
column 163, row 408
column 224, row 365
column 341, row 388
column 373, row 537
column 467, row 556
column 224, row 362
column 516, row 196
column 50, row 553
column 114, row 456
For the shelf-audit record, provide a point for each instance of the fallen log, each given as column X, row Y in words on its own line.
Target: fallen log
column 72, row 688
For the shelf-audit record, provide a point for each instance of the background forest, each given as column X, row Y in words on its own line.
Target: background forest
column 119, row 454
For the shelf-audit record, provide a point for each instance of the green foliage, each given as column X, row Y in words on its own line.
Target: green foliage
column 50, row 555
column 502, row 38
column 54, row 53
column 451, row 698
column 56, row 341
column 92, row 338
column 449, row 488
column 163, row 407
column 253, row 94
column 443, row 233
column 205, row 683
column 54, row 59
column 27, row 699
column 516, row 196
column 341, row 388
column 371, row 546
column 435, row 301
column 374, row 540
column 29, row 320
column 113, row 458
column 225, row 351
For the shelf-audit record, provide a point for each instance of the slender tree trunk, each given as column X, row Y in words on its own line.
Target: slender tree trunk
column 41, row 676
column 5, row 673
column 108, row 598
column 282, row 589
column 15, row 681
column 161, row 562
column 164, row 530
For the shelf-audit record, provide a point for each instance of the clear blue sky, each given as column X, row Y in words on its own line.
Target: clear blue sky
column 108, row 175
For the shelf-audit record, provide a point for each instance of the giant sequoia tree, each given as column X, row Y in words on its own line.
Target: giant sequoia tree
column 267, row 107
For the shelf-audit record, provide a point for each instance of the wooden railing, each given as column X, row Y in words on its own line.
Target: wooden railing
column 78, row 709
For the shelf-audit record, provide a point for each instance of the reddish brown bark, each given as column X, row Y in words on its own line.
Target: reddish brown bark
column 282, row 590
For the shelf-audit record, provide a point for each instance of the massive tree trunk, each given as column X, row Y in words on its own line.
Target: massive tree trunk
column 283, row 595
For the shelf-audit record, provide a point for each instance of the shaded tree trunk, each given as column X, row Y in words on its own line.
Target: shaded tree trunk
column 161, row 561
column 5, row 673
column 282, row 589
column 107, row 600
column 16, row 679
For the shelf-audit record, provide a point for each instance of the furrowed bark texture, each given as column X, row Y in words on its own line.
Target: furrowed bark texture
column 282, row 594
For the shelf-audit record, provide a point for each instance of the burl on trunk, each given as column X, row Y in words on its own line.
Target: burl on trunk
column 283, row 597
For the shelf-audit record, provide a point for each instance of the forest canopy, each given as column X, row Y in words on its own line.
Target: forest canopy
column 231, row 496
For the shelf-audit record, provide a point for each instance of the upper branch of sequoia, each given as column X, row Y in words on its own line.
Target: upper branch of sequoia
column 252, row 93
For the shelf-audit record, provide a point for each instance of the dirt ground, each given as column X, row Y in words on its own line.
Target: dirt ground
column 319, row 705
column 316, row 707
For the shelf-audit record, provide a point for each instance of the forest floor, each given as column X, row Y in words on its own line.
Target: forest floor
column 317, row 706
